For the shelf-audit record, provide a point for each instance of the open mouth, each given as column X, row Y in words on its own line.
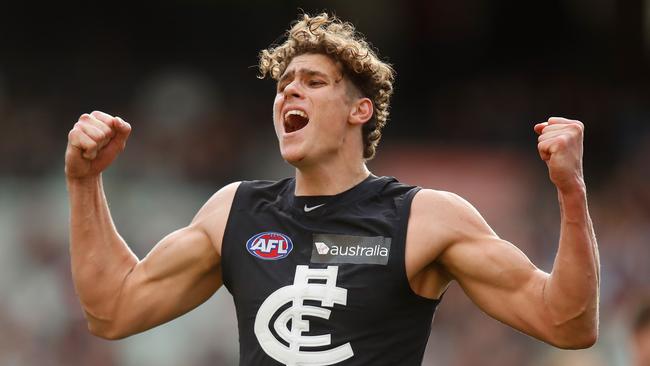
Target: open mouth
column 295, row 120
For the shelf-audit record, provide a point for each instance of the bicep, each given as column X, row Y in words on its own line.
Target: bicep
column 181, row 272
column 500, row 279
column 494, row 273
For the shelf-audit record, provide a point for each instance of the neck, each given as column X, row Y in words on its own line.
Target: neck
column 326, row 181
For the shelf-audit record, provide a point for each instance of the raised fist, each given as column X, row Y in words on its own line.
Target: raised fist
column 93, row 143
column 560, row 146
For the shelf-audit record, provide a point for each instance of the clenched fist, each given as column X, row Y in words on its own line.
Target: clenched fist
column 560, row 146
column 93, row 143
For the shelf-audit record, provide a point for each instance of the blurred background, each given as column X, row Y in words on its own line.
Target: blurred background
column 473, row 77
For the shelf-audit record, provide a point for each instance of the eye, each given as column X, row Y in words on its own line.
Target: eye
column 315, row 83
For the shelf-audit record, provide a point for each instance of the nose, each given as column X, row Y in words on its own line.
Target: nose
column 293, row 89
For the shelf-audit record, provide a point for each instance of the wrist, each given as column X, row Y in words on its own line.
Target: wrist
column 83, row 182
column 573, row 203
column 573, row 188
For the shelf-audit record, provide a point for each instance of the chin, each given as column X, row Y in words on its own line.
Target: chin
column 293, row 157
column 295, row 162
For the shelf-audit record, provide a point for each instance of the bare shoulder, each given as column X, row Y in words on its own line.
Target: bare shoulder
column 213, row 216
column 440, row 219
column 439, row 199
column 447, row 213
column 440, row 223
column 222, row 197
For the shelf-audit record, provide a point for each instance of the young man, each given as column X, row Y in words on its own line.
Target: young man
column 336, row 265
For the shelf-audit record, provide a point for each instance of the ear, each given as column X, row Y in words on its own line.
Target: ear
column 361, row 111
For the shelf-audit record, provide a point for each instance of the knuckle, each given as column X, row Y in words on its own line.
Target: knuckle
column 576, row 126
column 76, row 133
column 106, row 128
column 101, row 125
column 94, row 132
column 581, row 126
column 576, row 129
column 85, row 117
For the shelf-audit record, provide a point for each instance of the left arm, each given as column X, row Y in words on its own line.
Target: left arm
column 560, row 308
column 573, row 286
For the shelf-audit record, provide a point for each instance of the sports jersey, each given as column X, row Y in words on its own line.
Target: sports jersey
column 321, row 280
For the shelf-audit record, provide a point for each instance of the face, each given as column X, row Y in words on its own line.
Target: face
column 313, row 110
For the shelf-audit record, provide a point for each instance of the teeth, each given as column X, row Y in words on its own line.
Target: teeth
column 295, row 112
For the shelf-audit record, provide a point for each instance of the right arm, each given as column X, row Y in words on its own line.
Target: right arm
column 120, row 294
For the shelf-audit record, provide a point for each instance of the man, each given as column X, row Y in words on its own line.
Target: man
column 334, row 266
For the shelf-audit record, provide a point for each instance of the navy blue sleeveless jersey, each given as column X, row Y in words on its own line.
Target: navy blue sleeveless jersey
column 321, row 280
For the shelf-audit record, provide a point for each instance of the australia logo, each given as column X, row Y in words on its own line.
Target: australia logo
column 269, row 245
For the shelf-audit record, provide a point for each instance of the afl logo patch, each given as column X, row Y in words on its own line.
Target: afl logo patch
column 269, row 245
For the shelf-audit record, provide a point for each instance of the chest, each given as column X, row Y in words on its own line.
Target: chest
column 270, row 244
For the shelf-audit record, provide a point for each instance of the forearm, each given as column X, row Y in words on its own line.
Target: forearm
column 571, row 291
column 100, row 258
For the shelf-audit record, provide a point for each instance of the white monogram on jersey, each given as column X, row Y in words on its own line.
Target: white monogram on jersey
column 327, row 293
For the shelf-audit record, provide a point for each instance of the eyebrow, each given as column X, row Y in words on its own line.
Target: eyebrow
column 308, row 72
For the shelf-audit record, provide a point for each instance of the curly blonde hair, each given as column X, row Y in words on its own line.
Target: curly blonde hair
column 325, row 34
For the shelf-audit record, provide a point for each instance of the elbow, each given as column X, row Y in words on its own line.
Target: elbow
column 579, row 331
column 576, row 340
column 589, row 341
column 106, row 330
column 102, row 332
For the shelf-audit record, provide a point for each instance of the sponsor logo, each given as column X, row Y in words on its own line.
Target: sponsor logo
column 288, row 344
column 269, row 245
column 321, row 248
column 333, row 248
column 309, row 209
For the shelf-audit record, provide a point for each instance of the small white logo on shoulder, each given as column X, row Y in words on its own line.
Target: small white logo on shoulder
column 302, row 289
column 309, row 209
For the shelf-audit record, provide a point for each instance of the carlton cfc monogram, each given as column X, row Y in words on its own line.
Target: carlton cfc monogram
column 302, row 289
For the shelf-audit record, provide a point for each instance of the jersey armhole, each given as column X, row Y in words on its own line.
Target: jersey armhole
column 225, row 241
column 404, row 212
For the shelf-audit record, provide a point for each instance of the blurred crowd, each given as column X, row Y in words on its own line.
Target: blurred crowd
column 473, row 78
